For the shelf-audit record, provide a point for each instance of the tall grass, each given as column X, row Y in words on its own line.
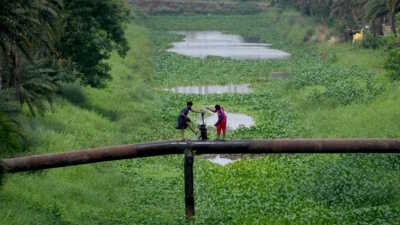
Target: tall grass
column 103, row 193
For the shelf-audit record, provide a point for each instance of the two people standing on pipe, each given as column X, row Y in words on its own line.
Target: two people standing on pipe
column 184, row 121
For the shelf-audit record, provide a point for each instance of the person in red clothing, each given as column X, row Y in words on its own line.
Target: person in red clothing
column 221, row 123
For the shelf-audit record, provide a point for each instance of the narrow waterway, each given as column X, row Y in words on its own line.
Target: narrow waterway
column 215, row 43
column 234, row 121
column 213, row 89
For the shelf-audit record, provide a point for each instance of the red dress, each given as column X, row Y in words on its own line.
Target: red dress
column 221, row 123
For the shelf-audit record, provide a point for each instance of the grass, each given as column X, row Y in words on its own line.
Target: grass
column 104, row 193
column 327, row 96
column 348, row 56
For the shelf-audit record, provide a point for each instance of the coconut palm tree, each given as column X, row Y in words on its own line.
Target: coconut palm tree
column 25, row 27
column 393, row 7
column 379, row 8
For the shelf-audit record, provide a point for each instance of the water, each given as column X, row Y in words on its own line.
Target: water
column 234, row 121
column 223, row 161
column 215, row 43
column 213, row 89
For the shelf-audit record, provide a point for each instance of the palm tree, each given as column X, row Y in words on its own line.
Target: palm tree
column 25, row 27
column 393, row 7
column 379, row 8
column 11, row 136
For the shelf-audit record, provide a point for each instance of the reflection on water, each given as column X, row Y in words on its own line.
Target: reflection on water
column 225, row 159
column 214, row 43
column 213, row 89
column 220, row 160
column 234, row 121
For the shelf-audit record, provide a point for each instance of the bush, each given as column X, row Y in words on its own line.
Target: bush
column 369, row 40
column 392, row 63
column 73, row 93
column 346, row 91
column 351, row 181
column 314, row 93
column 335, row 85
column 245, row 8
column 12, row 138
column 1, row 173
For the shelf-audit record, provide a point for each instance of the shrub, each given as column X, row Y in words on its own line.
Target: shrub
column 335, row 85
column 369, row 41
column 1, row 173
column 392, row 63
column 345, row 182
column 315, row 93
column 12, row 138
column 346, row 91
column 245, row 8
column 73, row 93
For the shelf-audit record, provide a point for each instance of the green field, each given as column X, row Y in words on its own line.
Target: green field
column 333, row 91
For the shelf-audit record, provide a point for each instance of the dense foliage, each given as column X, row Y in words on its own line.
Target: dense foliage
column 44, row 43
column 286, row 190
column 296, row 189
column 392, row 63
column 334, row 91
column 352, row 14
column 91, row 31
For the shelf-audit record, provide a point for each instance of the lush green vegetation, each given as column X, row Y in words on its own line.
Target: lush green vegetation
column 332, row 92
column 351, row 14
column 91, row 31
column 191, row 7
column 87, row 117
column 46, row 44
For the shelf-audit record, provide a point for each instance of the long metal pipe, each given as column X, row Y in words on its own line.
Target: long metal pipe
column 290, row 146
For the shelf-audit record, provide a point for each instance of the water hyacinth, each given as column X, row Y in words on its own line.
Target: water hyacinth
column 274, row 189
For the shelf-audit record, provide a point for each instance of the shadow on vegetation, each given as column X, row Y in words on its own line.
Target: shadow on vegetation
column 253, row 39
column 53, row 124
column 73, row 93
column 2, row 170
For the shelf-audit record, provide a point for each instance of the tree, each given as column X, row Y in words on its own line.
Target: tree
column 25, row 27
column 45, row 41
column 380, row 8
column 12, row 137
column 393, row 7
column 91, row 31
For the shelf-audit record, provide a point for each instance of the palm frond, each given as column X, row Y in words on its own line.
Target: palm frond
column 12, row 137
column 40, row 83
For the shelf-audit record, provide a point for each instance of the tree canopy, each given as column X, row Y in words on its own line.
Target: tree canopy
column 91, row 31
column 46, row 42
column 351, row 13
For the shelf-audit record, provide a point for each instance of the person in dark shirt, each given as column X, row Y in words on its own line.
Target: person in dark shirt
column 184, row 120
column 221, row 122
